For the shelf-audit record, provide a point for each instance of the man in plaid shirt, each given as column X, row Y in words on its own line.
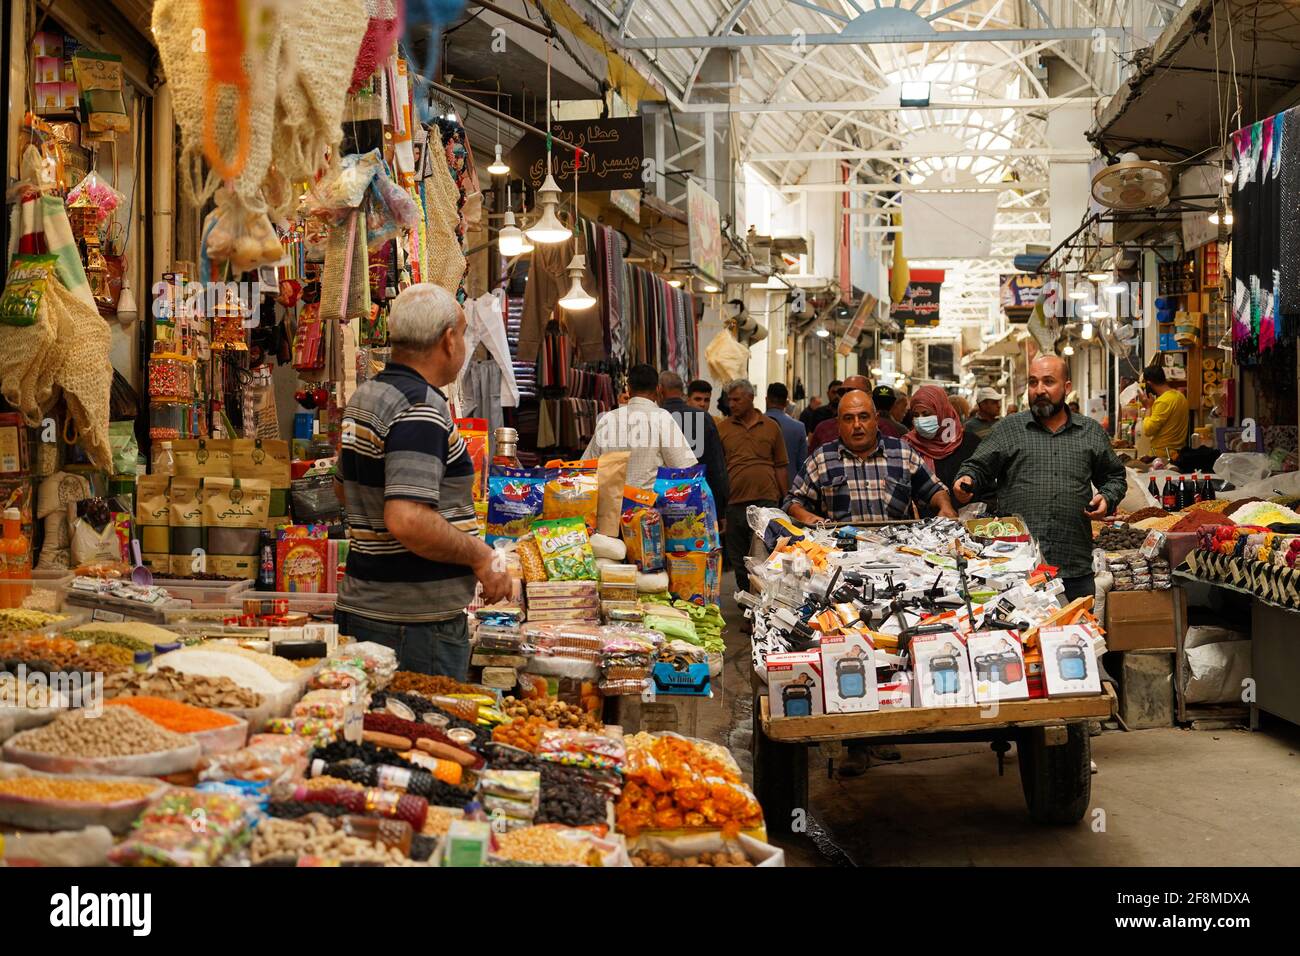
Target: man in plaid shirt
column 864, row 476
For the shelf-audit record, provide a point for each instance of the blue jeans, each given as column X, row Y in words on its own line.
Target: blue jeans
column 434, row 647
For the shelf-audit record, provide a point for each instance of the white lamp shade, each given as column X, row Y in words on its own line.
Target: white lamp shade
column 577, row 298
column 499, row 166
column 548, row 230
column 1086, row 331
column 510, row 241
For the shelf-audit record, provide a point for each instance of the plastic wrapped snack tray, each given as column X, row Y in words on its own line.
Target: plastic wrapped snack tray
column 31, row 814
column 157, row 764
column 222, row 740
column 693, row 844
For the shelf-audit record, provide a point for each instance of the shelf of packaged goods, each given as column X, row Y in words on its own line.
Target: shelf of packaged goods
column 925, row 720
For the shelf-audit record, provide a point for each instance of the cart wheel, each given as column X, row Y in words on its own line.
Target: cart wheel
column 1057, row 780
column 780, row 778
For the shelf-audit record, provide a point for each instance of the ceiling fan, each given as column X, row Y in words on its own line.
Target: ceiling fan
column 1132, row 184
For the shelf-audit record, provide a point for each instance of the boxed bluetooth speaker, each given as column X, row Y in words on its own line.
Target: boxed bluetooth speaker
column 849, row 673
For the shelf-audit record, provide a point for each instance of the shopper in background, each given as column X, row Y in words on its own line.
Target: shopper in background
column 1013, row 409
column 814, row 415
column 988, row 409
column 701, row 435
column 884, row 397
column 408, row 480
column 901, row 413
column 644, row 429
column 939, row 438
column 829, row 430
column 961, row 406
column 698, row 394
column 1165, row 424
column 1044, row 465
column 863, row 475
column 756, row 467
column 796, row 437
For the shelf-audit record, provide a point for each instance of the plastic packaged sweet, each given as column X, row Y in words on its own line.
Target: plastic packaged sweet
column 269, row 758
column 335, row 675
column 318, row 731
column 379, row 663
column 166, row 834
column 566, row 549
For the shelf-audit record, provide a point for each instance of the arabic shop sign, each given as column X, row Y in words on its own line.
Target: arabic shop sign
column 610, row 159
column 920, row 305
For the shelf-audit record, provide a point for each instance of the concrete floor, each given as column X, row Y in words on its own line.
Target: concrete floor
column 1160, row 797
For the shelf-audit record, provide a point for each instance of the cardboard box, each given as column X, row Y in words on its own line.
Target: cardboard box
column 1069, row 661
column 794, row 684
column 942, row 672
column 849, row 668
column 1141, row 620
column 895, row 692
column 998, row 663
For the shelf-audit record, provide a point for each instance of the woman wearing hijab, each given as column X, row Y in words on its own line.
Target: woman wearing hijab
column 938, row 436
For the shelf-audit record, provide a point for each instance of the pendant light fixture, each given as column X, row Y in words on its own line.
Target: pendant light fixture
column 510, row 241
column 499, row 166
column 1068, row 350
column 577, row 298
column 548, row 230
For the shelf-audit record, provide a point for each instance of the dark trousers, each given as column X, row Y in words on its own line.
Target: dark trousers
column 1082, row 586
column 738, row 539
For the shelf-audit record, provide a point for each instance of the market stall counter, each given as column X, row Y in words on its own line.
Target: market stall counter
column 929, row 632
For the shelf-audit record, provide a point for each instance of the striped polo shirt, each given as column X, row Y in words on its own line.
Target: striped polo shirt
column 399, row 442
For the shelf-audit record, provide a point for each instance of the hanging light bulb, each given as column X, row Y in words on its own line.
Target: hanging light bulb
column 548, row 230
column 499, row 166
column 675, row 281
column 1088, row 308
column 1078, row 294
column 1068, row 350
column 782, row 351
column 510, row 241
column 1086, row 332
column 711, row 287
column 823, row 333
column 1214, row 218
column 1098, row 276
column 1229, row 176
column 577, row 298
column 1227, row 218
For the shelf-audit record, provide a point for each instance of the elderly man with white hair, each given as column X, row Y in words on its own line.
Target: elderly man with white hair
column 408, row 485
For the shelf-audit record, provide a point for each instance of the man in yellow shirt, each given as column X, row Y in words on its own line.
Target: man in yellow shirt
column 1165, row 424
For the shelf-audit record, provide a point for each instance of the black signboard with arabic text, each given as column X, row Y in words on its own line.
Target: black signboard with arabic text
column 920, row 305
column 611, row 155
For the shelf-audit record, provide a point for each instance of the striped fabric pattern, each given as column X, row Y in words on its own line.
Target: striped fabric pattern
column 400, row 442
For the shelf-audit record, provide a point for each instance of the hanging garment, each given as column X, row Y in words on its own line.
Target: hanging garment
column 480, row 391
column 486, row 326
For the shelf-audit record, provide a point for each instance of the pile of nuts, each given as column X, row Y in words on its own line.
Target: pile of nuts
column 550, row 709
column 118, row 732
column 541, row 845
column 50, row 654
column 657, row 858
column 18, row 620
column 76, row 789
column 219, row 692
column 317, row 835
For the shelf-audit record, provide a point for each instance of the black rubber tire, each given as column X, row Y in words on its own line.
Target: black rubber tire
column 780, row 779
column 1057, row 780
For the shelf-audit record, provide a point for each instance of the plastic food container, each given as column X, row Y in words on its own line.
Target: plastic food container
column 222, row 740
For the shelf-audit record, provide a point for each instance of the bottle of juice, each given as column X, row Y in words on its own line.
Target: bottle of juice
column 16, row 560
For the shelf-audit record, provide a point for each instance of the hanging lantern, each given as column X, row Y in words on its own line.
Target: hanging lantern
column 510, row 241
column 577, row 298
column 228, row 319
column 83, row 216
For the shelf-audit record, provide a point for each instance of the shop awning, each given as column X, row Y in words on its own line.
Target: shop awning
column 1006, row 346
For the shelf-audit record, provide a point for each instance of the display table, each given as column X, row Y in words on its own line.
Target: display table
column 1274, row 662
column 1053, row 747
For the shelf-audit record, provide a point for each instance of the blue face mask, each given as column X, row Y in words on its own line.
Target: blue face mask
column 927, row 426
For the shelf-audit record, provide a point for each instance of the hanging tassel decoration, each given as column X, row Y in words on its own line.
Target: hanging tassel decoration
column 224, row 36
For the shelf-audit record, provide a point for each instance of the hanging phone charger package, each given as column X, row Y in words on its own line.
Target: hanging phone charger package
column 1069, row 662
column 849, row 669
column 998, row 662
column 794, row 684
column 941, row 672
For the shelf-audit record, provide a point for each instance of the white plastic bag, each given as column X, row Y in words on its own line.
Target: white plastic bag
column 1136, row 495
column 1214, row 673
column 1241, row 468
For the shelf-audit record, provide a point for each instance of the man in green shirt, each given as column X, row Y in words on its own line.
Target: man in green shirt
column 1044, row 464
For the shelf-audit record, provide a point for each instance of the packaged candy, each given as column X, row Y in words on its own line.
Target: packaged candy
column 29, row 276
column 695, row 576
column 166, row 834
column 565, row 549
column 516, row 497
column 642, row 529
column 573, row 493
column 689, row 514
column 267, row 758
